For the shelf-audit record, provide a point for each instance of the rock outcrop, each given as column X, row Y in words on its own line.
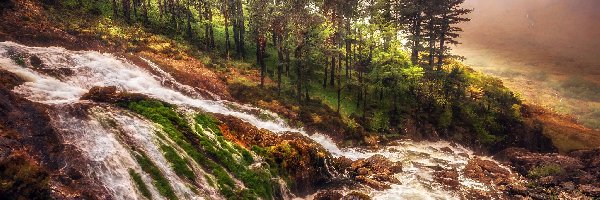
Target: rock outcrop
column 376, row 172
column 33, row 158
column 574, row 173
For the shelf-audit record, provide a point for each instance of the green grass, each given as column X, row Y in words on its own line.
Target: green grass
column 159, row 181
column 139, row 183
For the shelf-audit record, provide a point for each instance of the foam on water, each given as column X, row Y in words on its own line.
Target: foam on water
column 92, row 68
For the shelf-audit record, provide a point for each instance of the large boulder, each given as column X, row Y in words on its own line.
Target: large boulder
column 486, row 171
column 110, row 94
column 376, row 171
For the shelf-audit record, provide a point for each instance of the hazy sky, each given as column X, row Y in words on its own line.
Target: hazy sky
column 553, row 29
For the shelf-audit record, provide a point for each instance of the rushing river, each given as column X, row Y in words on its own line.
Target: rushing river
column 67, row 75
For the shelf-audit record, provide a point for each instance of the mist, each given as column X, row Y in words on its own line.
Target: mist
column 547, row 50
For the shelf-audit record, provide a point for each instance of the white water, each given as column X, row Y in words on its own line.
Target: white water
column 112, row 159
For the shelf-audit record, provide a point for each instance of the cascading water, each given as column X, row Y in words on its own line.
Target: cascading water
column 66, row 75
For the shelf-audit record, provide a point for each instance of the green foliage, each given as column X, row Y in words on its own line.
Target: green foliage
column 139, row 183
column 379, row 122
column 545, row 170
column 159, row 181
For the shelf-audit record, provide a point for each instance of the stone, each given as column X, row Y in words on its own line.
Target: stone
column 35, row 61
column 328, row 195
column 447, row 150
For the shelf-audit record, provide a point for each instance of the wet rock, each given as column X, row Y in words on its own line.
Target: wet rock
column 35, row 61
column 590, row 190
column 10, row 80
column 37, row 153
column 448, row 178
column 356, row 196
column 447, row 150
column 376, row 172
column 378, row 185
column 486, row 171
column 328, row 195
column 110, row 94
column 517, row 189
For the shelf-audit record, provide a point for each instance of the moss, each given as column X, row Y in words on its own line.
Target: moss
column 159, row 181
column 545, row 170
column 19, row 59
column 257, row 182
column 139, row 183
column 178, row 164
column 175, row 127
column 209, row 180
column 208, row 121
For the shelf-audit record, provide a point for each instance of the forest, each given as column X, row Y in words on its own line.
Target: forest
column 377, row 63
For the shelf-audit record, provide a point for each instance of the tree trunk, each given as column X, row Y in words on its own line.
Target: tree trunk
column 325, row 71
column 432, row 37
column 241, row 28
column 441, row 52
column 189, row 21
column 260, row 47
column 280, row 64
column 287, row 61
column 135, row 5
column 115, row 9
column 146, row 6
column 332, row 72
column 416, row 40
column 348, row 47
column 298, row 73
column 226, row 18
column 126, row 14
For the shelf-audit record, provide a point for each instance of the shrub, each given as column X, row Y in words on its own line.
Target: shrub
column 545, row 170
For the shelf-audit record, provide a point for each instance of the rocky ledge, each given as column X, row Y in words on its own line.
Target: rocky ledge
column 571, row 175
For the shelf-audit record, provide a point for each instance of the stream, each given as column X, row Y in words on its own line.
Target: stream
column 66, row 75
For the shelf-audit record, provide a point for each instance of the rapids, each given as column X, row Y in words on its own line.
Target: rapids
column 66, row 75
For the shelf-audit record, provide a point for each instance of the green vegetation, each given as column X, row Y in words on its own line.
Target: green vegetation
column 178, row 164
column 208, row 121
column 212, row 154
column 139, row 183
column 159, row 181
column 355, row 67
column 257, row 182
column 17, row 57
column 545, row 170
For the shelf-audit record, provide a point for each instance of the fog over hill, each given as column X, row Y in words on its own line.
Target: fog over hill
column 547, row 50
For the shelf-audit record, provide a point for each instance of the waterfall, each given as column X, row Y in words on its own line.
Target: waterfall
column 109, row 136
